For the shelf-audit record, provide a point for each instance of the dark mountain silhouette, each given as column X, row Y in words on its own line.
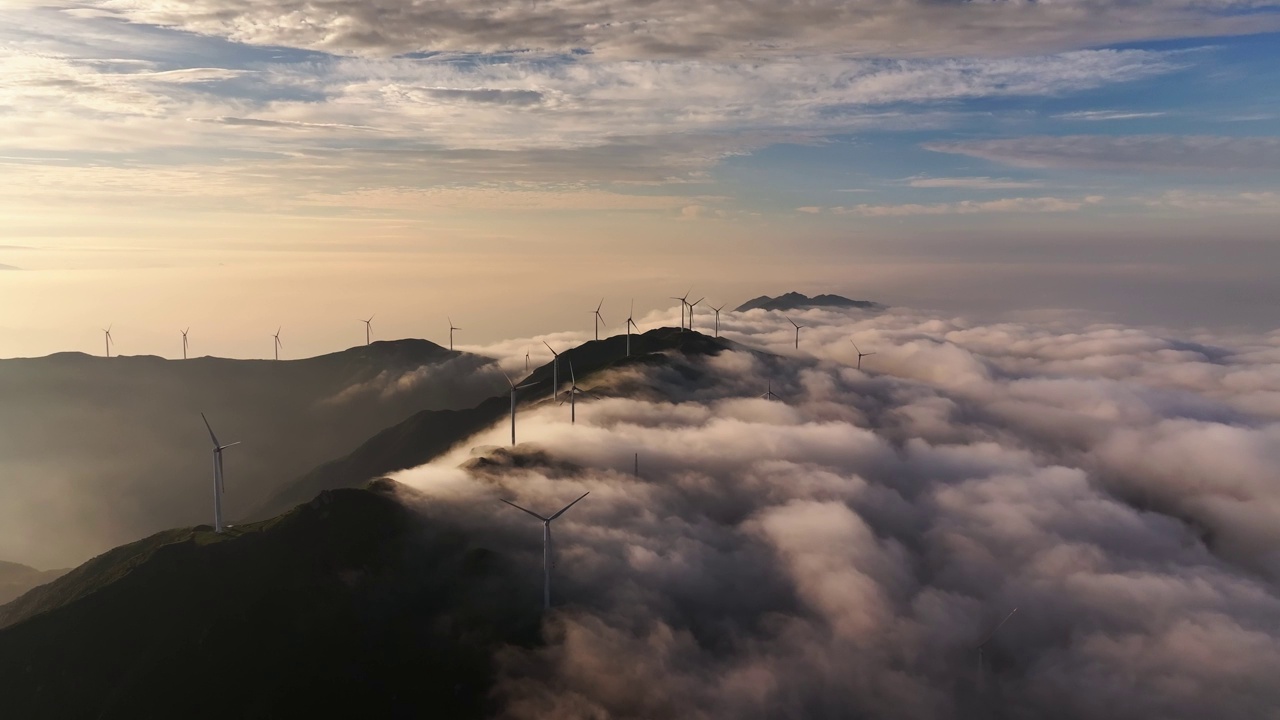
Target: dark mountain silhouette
column 16, row 579
column 114, row 449
column 796, row 301
column 356, row 604
column 431, row 433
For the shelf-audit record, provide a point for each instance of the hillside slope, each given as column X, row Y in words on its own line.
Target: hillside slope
column 352, row 605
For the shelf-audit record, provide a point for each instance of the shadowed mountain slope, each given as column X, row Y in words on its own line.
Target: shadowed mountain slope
column 113, row 449
column 351, row 605
column 431, row 433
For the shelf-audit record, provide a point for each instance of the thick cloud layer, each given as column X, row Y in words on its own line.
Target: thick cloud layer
column 842, row 552
column 667, row 28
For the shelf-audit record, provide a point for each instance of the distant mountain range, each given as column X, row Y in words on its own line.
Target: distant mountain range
column 17, row 579
column 796, row 301
column 111, row 450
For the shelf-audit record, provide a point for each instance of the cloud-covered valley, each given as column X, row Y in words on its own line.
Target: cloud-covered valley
column 842, row 552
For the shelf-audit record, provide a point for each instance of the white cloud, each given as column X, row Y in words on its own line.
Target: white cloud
column 972, row 183
column 972, row 207
column 1139, row 153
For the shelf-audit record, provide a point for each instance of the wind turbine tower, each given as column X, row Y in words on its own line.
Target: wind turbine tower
column 982, row 645
column 718, row 309
column 368, row 330
column 860, row 353
column 683, row 301
column 555, row 373
column 697, row 302
column 451, row 329
column 514, row 388
column 631, row 324
column 107, row 333
column 278, row 344
column 793, row 322
column 574, row 392
column 184, row 343
column 599, row 319
column 218, row 487
column 546, row 546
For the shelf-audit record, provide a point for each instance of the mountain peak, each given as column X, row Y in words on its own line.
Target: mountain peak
column 796, row 301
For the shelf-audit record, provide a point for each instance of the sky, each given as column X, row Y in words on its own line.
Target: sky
column 235, row 166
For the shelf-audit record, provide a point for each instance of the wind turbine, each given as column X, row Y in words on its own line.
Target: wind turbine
column 279, row 344
column 986, row 640
column 368, row 330
column 683, row 301
column 793, row 322
column 555, row 373
column 218, row 486
column 574, row 392
column 546, row 546
column 770, row 395
column 860, row 353
column 698, row 302
column 718, row 309
column 631, row 324
column 526, row 361
column 514, row 388
column 599, row 318
column 451, row 329
column 107, row 333
column 184, row 343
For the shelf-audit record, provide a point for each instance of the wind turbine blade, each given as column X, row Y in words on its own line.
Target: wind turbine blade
column 553, row 352
column 224, row 447
column 999, row 625
column 600, row 305
column 571, row 378
column 211, row 435
column 508, row 377
column 566, row 507
column 855, row 347
column 866, row 354
column 528, row 511
column 526, row 385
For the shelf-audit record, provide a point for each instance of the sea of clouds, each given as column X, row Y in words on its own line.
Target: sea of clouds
column 842, row 551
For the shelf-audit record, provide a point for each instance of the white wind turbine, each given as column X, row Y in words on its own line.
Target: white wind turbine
column 793, row 322
column 555, row 373
column 718, row 309
column 631, row 324
column 278, row 344
column 982, row 645
column 451, row 329
column 368, row 330
column 860, row 353
column 683, row 301
column 698, row 302
column 218, row 486
column 107, row 333
column 599, row 319
column 514, row 388
column 184, row 343
column 546, row 546
column 574, row 392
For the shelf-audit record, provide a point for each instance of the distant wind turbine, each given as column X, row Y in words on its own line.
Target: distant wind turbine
column 718, row 309
column 793, row 322
column 683, row 301
column 770, row 395
column 218, row 486
column 574, row 392
column 546, row 546
column 514, row 388
column 451, row 329
column 555, row 373
column 631, row 324
column 526, row 360
column 860, row 353
column 184, row 343
column 107, row 333
column 278, row 344
column 368, row 330
column 982, row 645
column 691, row 305
column 599, row 319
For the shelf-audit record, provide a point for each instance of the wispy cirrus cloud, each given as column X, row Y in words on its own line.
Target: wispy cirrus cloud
column 973, row 183
column 1138, row 153
column 963, row 207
